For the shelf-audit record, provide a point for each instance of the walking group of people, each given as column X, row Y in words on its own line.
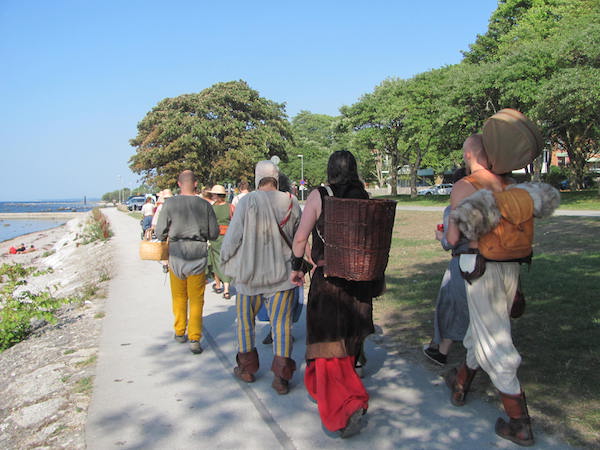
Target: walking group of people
column 261, row 241
column 260, row 244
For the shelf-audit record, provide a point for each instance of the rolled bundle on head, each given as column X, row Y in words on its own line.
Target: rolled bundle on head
column 511, row 141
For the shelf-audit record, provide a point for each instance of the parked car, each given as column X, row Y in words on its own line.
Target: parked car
column 438, row 189
column 136, row 203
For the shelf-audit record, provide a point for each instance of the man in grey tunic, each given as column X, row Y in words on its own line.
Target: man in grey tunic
column 188, row 222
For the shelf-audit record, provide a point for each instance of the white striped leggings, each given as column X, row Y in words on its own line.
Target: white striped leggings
column 279, row 308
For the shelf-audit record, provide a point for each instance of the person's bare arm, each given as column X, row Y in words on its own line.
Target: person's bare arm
column 461, row 190
column 310, row 215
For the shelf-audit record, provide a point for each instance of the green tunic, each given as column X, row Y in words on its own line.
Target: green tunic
column 214, row 252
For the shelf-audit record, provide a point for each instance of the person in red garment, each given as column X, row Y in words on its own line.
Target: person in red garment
column 339, row 312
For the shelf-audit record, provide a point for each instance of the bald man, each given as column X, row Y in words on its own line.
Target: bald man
column 488, row 339
column 189, row 222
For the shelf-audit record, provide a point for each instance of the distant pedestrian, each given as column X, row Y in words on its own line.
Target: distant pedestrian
column 147, row 213
column 206, row 195
column 188, row 222
column 256, row 254
column 244, row 189
column 162, row 196
column 223, row 214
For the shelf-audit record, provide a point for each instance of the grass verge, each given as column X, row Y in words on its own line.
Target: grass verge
column 578, row 200
column 557, row 336
column 97, row 228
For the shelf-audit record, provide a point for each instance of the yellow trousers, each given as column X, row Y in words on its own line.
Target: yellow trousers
column 183, row 291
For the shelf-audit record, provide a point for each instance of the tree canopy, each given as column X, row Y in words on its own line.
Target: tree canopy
column 219, row 133
column 538, row 56
column 541, row 57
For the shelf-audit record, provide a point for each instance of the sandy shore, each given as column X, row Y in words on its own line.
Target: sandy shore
column 43, row 241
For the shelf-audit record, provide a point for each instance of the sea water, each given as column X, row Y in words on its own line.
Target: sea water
column 49, row 206
column 14, row 227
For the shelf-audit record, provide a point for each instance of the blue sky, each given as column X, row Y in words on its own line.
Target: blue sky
column 77, row 76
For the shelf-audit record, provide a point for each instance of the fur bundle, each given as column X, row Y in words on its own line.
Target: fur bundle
column 545, row 198
column 478, row 214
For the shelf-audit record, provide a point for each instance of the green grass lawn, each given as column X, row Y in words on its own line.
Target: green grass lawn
column 558, row 336
column 136, row 214
column 588, row 199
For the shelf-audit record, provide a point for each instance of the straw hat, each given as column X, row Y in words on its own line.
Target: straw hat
column 511, row 141
column 167, row 193
column 218, row 189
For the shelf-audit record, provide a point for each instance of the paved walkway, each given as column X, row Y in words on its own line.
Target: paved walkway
column 152, row 393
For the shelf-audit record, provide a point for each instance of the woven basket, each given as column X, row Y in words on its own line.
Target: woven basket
column 357, row 235
column 154, row 250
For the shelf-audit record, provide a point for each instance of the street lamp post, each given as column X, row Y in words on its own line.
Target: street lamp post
column 301, row 176
column 119, row 181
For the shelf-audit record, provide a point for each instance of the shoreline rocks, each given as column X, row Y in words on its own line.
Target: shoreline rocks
column 47, row 379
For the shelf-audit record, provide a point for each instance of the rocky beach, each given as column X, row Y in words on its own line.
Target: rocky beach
column 46, row 381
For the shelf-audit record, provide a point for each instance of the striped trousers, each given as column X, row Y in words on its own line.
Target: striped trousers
column 279, row 307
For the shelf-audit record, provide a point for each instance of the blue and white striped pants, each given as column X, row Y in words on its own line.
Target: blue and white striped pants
column 279, row 308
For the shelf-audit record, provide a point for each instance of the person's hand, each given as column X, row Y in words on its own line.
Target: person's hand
column 297, row 277
column 439, row 235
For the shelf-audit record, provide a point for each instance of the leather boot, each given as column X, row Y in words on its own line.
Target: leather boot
column 518, row 428
column 283, row 368
column 459, row 381
column 247, row 366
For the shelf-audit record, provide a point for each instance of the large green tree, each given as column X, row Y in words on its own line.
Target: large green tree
column 569, row 108
column 540, row 57
column 314, row 140
column 219, row 133
column 378, row 117
column 409, row 121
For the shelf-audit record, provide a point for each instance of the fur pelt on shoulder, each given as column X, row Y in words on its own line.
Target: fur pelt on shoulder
column 478, row 214
column 545, row 198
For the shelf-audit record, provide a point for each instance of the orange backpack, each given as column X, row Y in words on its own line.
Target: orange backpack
column 512, row 238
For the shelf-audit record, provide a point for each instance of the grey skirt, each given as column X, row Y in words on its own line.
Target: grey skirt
column 451, row 318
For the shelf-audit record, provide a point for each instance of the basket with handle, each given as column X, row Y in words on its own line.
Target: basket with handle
column 154, row 250
column 357, row 237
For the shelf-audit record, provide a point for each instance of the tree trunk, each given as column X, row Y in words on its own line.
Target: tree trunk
column 536, row 174
column 577, row 163
column 413, row 180
column 394, row 171
column 414, row 168
column 379, row 168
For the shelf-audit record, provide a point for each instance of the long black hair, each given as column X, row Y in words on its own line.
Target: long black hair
column 342, row 168
column 284, row 183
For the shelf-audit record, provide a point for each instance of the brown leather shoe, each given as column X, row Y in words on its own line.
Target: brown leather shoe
column 518, row 428
column 243, row 375
column 280, row 385
column 283, row 368
column 459, row 381
column 247, row 366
